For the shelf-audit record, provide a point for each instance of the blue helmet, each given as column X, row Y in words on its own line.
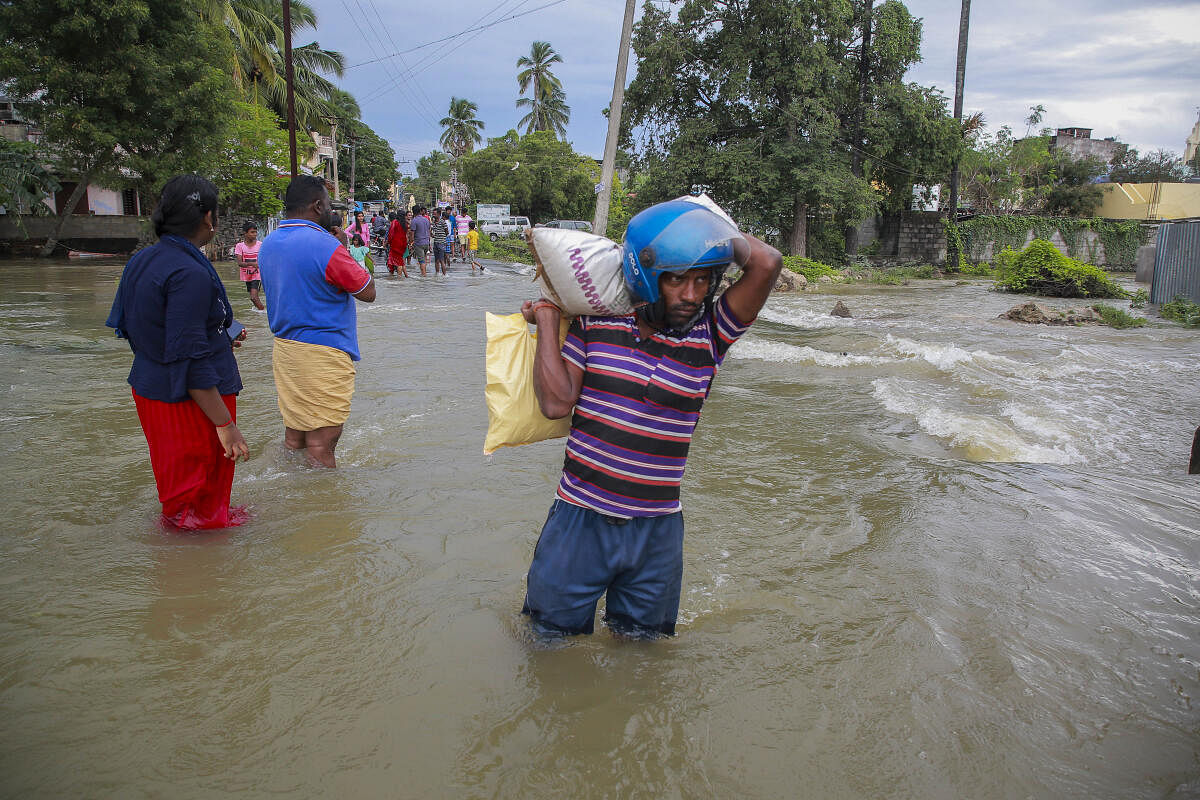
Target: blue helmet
column 674, row 236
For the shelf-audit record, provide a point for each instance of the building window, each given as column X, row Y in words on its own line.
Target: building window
column 129, row 202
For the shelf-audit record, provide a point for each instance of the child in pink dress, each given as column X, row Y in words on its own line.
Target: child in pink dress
column 246, row 253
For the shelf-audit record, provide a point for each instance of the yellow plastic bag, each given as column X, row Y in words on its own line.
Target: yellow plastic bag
column 513, row 414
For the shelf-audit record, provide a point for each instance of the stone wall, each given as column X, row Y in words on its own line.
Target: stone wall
column 229, row 233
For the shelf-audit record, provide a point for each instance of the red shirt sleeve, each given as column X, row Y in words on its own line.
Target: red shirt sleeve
column 344, row 272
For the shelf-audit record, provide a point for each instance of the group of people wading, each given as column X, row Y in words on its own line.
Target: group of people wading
column 634, row 383
column 421, row 234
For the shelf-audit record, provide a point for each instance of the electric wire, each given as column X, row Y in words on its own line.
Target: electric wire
column 460, row 33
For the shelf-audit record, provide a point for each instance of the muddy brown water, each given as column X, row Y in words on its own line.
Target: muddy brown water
column 929, row 554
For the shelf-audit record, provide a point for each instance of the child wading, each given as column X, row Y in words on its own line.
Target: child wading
column 246, row 253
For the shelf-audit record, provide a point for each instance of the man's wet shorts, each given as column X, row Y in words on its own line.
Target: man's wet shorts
column 582, row 554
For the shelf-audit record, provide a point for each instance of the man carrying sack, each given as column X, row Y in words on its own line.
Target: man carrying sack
column 311, row 283
column 636, row 383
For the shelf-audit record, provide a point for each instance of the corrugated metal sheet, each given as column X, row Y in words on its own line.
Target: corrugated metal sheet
column 1176, row 262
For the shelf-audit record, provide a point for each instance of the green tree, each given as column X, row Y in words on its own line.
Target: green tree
column 1160, row 166
column 536, row 174
column 762, row 101
column 124, row 90
column 251, row 170
column 432, row 171
column 374, row 160
column 1001, row 175
column 546, row 104
column 1072, row 190
column 24, row 180
column 462, row 129
column 255, row 29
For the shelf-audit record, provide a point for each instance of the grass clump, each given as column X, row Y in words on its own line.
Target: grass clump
column 1116, row 318
column 506, row 248
column 1182, row 310
column 810, row 269
column 980, row 270
column 1040, row 269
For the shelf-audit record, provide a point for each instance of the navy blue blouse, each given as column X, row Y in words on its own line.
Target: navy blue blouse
column 172, row 307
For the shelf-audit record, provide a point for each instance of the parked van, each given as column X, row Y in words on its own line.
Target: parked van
column 495, row 228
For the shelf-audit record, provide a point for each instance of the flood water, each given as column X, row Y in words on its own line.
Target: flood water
column 929, row 554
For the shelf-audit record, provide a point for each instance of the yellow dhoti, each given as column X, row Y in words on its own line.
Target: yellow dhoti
column 315, row 384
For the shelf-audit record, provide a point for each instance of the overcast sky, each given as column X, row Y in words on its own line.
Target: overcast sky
column 1125, row 69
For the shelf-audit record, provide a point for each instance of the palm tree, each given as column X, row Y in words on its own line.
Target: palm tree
column 462, row 129
column 548, row 110
column 256, row 31
column 552, row 114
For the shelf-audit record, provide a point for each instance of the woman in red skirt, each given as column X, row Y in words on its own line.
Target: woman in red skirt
column 397, row 241
column 172, row 307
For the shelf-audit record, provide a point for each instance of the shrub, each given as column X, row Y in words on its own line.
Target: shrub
column 1116, row 318
column 1139, row 299
column 810, row 269
column 1182, row 310
column 1040, row 269
column 980, row 270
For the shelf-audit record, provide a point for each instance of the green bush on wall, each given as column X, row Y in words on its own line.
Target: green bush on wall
column 1041, row 269
column 1119, row 238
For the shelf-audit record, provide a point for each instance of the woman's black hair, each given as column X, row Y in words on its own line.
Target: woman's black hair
column 249, row 226
column 392, row 216
column 184, row 201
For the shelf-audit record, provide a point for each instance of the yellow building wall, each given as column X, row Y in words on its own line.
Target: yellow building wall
column 1150, row 201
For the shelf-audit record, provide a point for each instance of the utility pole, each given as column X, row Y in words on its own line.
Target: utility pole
column 333, row 138
column 353, row 149
column 604, row 196
column 291, row 79
column 864, row 97
column 960, row 74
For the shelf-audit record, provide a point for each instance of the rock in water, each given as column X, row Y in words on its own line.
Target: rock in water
column 1036, row 314
column 790, row 281
column 1031, row 313
column 840, row 310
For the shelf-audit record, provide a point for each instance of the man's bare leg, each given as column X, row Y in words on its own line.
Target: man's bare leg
column 321, row 444
column 293, row 439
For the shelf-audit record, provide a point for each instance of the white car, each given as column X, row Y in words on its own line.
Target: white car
column 567, row 224
column 495, row 228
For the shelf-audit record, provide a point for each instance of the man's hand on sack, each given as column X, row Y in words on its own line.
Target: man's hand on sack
column 550, row 312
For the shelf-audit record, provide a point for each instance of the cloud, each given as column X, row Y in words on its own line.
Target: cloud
column 1123, row 71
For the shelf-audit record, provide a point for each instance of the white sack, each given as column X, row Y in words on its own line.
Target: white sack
column 707, row 202
column 580, row 272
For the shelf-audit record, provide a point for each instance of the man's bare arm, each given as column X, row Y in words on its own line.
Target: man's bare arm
column 367, row 293
column 556, row 381
column 761, row 265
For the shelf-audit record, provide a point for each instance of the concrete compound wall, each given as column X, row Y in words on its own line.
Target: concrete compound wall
column 920, row 236
column 98, row 233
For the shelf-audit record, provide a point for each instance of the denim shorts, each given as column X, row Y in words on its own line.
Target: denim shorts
column 582, row 554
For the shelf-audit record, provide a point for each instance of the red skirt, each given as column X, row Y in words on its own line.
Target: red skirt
column 193, row 475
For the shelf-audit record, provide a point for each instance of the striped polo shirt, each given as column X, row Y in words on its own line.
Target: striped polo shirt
column 639, row 405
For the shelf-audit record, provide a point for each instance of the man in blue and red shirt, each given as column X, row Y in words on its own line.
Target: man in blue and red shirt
column 636, row 384
column 311, row 283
